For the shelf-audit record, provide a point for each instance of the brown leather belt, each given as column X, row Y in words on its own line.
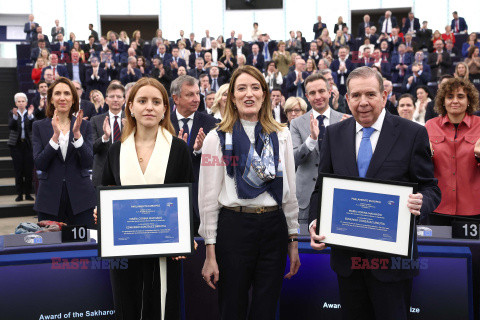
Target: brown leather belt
column 256, row 210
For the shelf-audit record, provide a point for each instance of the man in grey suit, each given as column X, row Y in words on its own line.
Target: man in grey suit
column 307, row 134
column 107, row 129
column 207, row 41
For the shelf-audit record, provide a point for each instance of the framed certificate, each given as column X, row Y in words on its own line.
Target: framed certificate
column 366, row 215
column 145, row 221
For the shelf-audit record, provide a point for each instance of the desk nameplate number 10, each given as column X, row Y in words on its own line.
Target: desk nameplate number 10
column 465, row 230
column 74, row 234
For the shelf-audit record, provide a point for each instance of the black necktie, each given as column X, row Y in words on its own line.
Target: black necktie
column 321, row 133
column 185, row 128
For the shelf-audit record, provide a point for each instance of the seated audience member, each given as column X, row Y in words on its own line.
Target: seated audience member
column 241, row 60
column 198, row 68
column 310, row 67
column 461, row 71
column 176, row 61
column 439, row 61
column 182, row 52
column 295, row 80
column 452, row 50
column 107, row 129
column 204, row 85
column 458, row 24
column 282, row 58
column 76, row 69
column 294, row 107
column 272, row 76
column 96, row 77
column 209, row 99
column 420, row 60
column 39, row 35
column 162, row 73
column 96, row 97
column 472, row 41
column 136, row 48
column 142, row 66
column 424, row 36
column 117, row 47
column 57, row 29
column 382, row 64
column 124, row 38
column 473, row 63
column 35, row 53
column 37, row 70
column 161, row 51
column 455, row 134
column 366, row 44
column 413, row 81
column 436, row 36
column 216, row 80
column 76, row 47
column 336, row 101
column 104, row 46
column 240, row 48
column 182, row 71
column 313, row 53
column 386, row 51
column 131, row 73
column 40, row 100
column 90, row 47
column 58, row 70
column 395, row 39
column 110, row 66
column 400, row 62
column 228, row 61
column 411, row 45
column 366, row 58
column 342, row 67
column 197, row 53
column 256, row 58
column 62, row 151
column 85, row 105
column 423, row 98
column 391, row 105
column 406, row 107
column 20, row 120
column 218, row 107
column 63, row 47
column 430, row 113
column 448, row 35
column 278, row 101
column 215, row 51
column 48, row 75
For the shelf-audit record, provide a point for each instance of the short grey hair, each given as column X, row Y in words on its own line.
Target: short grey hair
column 20, row 95
column 314, row 77
column 364, row 73
column 129, row 85
column 177, row 84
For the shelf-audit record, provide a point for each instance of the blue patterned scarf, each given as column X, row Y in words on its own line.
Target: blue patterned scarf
column 254, row 167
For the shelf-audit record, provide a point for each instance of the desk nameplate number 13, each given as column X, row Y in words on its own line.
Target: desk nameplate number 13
column 74, row 234
column 465, row 230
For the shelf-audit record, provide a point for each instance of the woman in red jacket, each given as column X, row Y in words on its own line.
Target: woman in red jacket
column 455, row 141
column 37, row 71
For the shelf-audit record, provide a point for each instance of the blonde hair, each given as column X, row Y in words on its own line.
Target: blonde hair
column 265, row 117
column 467, row 73
column 218, row 97
column 292, row 102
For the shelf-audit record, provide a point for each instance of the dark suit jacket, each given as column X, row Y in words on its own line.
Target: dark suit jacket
column 230, row 42
column 56, row 46
column 167, row 78
column 204, row 41
column 35, row 53
column 88, row 109
column 419, row 81
column 121, row 47
column 98, row 84
column 402, row 154
column 334, row 67
column 462, row 24
column 416, row 25
column 290, row 85
column 260, row 61
column 382, row 19
column 30, row 32
column 189, row 45
column 74, row 170
column 430, row 112
column 423, row 37
column 318, row 31
column 443, row 67
column 125, row 77
column 194, row 72
column 390, row 107
column 407, row 59
column 245, row 50
column 200, row 120
column 271, row 45
column 113, row 72
column 192, row 58
column 220, row 81
column 15, row 127
column 61, row 70
column 81, row 72
column 386, row 69
column 337, row 26
column 361, row 28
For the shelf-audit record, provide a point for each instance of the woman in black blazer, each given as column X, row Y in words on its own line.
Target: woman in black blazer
column 63, row 152
column 148, row 153
column 20, row 142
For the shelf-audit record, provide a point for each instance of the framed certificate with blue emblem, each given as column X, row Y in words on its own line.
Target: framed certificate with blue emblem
column 366, row 215
column 145, row 221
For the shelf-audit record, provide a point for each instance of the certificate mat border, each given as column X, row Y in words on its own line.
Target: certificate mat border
column 403, row 189
column 106, row 195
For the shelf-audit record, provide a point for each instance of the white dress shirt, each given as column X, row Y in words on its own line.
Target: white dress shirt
column 216, row 189
column 111, row 118
column 63, row 143
column 375, row 135
column 310, row 143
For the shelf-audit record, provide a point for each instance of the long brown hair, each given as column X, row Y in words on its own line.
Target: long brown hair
column 265, row 115
column 132, row 122
column 75, row 100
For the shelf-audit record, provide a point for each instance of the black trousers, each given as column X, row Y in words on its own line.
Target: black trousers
column 363, row 297
column 136, row 290
column 22, row 156
column 436, row 219
column 251, row 252
column 65, row 213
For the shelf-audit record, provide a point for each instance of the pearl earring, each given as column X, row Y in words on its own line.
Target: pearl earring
column 133, row 115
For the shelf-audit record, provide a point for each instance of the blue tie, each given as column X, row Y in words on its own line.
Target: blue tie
column 365, row 152
column 299, row 90
column 185, row 128
column 321, row 133
column 266, row 51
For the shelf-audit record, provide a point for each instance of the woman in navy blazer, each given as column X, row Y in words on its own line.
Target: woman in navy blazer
column 63, row 152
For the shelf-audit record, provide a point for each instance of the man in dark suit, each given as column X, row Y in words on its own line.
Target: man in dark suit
column 107, row 129
column 216, row 81
column 176, row 62
column 362, row 26
column 39, row 102
column 163, row 73
column 56, row 30
column 278, row 101
column 266, row 46
column 342, row 67
column 459, row 25
column 58, row 70
column 20, row 143
column 30, row 28
column 424, row 36
column 63, row 47
column 439, row 61
column 85, row 105
column 76, row 69
column 366, row 58
column 400, row 62
column 216, row 52
column 96, row 77
column 198, row 68
column 240, row 47
column 295, row 80
column 110, row 66
column 412, row 25
column 161, row 51
column 35, row 52
column 130, row 73
column 117, row 47
column 90, row 46
column 313, row 53
column 207, row 40
column 230, row 42
column 386, row 23
column 256, row 59
column 411, row 82
column 191, row 43
column 40, row 36
column 384, row 65
column 376, row 145
column 197, row 53
column 191, row 126
column 318, row 27
column 392, row 97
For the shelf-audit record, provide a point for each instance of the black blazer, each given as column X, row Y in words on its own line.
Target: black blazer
column 15, row 127
column 402, row 154
column 81, row 72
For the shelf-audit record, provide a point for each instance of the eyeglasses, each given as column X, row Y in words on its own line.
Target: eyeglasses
column 295, row 110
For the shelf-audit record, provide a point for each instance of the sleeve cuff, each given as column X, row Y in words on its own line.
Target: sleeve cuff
column 199, row 152
column 54, row 145
column 104, row 141
column 30, row 116
column 77, row 144
column 311, row 224
column 210, row 241
column 310, row 143
column 293, row 231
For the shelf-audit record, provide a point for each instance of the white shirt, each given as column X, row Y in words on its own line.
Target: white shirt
column 310, row 143
column 208, row 43
column 180, row 122
column 216, row 189
column 214, row 55
column 276, row 112
column 63, row 143
column 111, row 118
column 375, row 135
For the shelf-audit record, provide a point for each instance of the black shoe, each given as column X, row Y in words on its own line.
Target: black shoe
column 19, row 198
column 29, row 197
